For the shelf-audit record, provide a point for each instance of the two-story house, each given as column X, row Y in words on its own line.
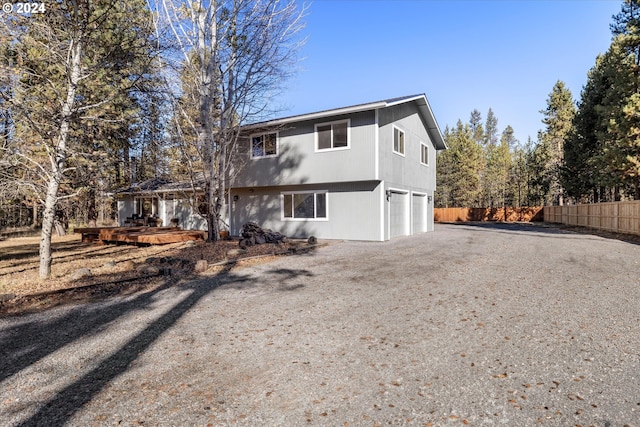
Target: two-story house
column 364, row 172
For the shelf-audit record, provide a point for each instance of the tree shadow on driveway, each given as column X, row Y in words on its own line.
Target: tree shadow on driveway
column 28, row 342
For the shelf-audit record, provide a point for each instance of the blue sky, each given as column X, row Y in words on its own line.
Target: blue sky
column 463, row 54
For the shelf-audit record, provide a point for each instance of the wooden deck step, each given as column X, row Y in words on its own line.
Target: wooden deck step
column 139, row 235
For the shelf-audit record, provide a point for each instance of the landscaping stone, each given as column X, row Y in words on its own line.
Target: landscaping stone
column 6, row 297
column 80, row 274
column 148, row 269
column 129, row 265
column 201, row 266
column 235, row 252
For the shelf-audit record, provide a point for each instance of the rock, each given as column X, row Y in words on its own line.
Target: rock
column 150, row 270
column 201, row 266
column 6, row 297
column 110, row 264
column 129, row 265
column 253, row 234
column 235, row 252
column 190, row 244
column 80, row 274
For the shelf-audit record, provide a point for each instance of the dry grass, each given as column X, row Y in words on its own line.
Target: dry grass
column 109, row 265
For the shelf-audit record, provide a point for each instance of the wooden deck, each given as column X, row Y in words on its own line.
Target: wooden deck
column 139, row 235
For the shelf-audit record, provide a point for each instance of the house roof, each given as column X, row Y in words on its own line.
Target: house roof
column 158, row 185
column 421, row 102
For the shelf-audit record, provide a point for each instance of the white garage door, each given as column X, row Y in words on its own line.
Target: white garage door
column 419, row 213
column 399, row 209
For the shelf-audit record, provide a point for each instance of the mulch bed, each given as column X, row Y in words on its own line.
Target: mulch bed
column 135, row 270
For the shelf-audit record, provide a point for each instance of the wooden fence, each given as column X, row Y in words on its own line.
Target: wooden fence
column 617, row 217
column 488, row 214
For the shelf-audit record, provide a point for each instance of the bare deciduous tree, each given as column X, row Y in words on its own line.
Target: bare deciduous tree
column 236, row 54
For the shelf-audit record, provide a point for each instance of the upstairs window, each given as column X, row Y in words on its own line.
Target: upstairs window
column 304, row 205
column 264, row 145
column 424, row 154
column 398, row 141
column 332, row 136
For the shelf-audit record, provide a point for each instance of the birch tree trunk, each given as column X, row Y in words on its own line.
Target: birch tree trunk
column 244, row 50
column 58, row 157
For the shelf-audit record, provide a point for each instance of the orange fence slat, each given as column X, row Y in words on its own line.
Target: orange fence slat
column 508, row 214
column 617, row 217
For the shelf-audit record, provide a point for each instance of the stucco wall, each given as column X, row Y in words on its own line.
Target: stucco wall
column 405, row 171
column 298, row 162
column 354, row 211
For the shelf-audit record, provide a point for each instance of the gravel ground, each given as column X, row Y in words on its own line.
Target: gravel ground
column 469, row 325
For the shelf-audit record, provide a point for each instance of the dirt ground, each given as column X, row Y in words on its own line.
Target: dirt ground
column 115, row 269
column 470, row 325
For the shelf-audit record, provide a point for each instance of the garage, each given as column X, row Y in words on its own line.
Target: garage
column 419, row 213
column 398, row 213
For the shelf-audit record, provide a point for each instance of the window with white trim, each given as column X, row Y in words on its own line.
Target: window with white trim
column 299, row 205
column 264, row 145
column 398, row 141
column 424, row 154
column 332, row 136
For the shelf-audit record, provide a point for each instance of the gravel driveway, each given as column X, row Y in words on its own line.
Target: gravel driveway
column 469, row 325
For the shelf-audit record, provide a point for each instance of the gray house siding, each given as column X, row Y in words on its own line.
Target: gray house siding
column 409, row 182
column 405, row 171
column 364, row 191
column 353, row 211
column 298, row 162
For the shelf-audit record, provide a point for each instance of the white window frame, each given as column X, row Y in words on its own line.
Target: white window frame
column 314, row 192
column 423, row 147
column 251, row 154
column 316, row 141
column 404, row 141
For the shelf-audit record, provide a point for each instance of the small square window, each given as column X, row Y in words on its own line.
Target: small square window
column 424, row 154
column 287, row 206
column 330, row 136
column 321, row 205
column 324, row 137
column 303, row 205
column 264, row 145
column 340, row 135
column 398, row 141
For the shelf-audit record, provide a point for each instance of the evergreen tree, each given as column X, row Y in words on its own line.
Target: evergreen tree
column 78, row 64
column 477, row 130
column 540, row 174
column 520, row 174
column 582, row 172
column 491, row 129
column 488, row 175
column 459, row 169
column 498, row 169
column 558, row 119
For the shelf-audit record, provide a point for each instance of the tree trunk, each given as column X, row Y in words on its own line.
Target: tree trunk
column 34, row 221
column 206, row 42
column 58, row 158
